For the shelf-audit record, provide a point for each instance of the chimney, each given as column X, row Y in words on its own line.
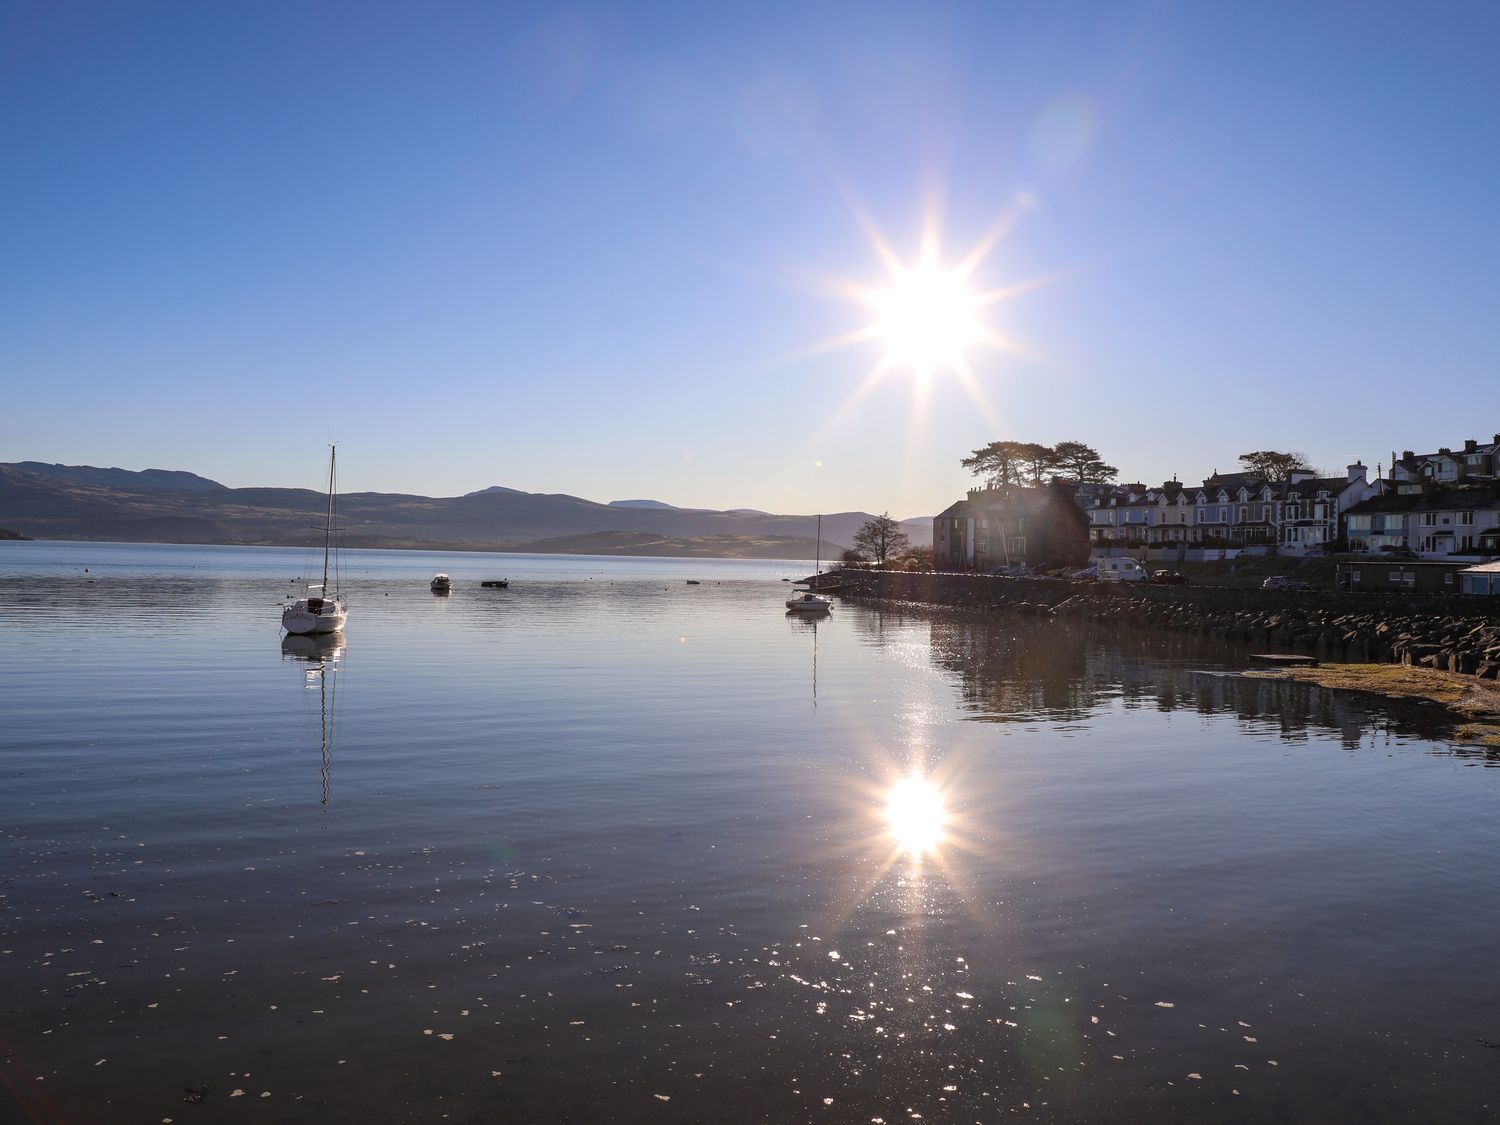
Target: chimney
column 1407, row 455
column 1357, row 473
column 1470, row 445
column 1444, row 451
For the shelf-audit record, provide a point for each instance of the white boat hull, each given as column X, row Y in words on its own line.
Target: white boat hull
column 300, row 618
column 809, row 603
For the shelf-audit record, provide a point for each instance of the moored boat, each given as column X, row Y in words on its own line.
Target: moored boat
column 323, row 609
column 809, row 603
column 441, row 583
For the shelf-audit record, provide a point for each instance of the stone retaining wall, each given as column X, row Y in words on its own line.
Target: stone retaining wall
column 1453, row 633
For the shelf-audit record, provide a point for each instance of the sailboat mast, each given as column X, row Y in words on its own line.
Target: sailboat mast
column 818, row 548
column 333, row 452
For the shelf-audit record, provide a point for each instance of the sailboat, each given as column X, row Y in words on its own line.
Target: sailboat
column 807, row 601
column 320, row 611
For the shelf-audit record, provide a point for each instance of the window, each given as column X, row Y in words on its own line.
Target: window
column 1223, row 515
column 1429, row 519
column 1353, row 576
column 1447, row 580
column 1466, row 518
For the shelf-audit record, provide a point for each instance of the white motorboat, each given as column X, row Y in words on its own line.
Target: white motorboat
column 809, row 602
column 441, row 584
column 323, row 610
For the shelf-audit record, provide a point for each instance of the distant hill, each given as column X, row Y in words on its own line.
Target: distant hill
column 654, row 504
column 158, row 506
column 7, row 533
column 145, row 480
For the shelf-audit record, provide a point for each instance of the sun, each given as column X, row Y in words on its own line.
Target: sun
column 929, row 315
column 927, row 318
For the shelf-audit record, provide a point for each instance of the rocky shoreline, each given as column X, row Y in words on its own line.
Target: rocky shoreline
column 1445, row 633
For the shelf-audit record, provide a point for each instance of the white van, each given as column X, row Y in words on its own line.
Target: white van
column 1121, row 570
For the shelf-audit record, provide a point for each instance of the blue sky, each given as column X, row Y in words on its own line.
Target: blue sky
column 587, row 249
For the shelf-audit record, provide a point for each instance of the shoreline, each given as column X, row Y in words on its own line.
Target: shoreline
column 1438, row 648
column 1476, row 701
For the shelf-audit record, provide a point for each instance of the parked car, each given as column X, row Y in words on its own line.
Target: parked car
column 1282, row 582
column 1168, row 578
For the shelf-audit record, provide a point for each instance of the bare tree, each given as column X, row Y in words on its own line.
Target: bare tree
column 881, row 538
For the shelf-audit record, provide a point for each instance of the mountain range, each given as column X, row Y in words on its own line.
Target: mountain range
column 45, row 501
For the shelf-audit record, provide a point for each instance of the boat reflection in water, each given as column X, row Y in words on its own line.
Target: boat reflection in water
column 808, row 623
column 322, row 652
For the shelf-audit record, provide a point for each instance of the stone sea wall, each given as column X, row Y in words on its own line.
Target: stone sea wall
column 1459, row 634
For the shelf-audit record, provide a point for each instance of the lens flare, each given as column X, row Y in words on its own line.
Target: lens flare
column 915, row 815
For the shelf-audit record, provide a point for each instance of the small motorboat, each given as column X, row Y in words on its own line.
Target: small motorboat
column 694, row 582
column 808, row 602
column 496, row 583
column 441, row 584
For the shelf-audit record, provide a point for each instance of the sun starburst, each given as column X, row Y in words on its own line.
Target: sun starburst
column 927, row 314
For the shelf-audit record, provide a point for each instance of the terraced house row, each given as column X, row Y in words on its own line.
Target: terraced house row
column 1235, row 511
column 1442, row 506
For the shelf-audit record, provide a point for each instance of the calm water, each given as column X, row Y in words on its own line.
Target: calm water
column 606, row 846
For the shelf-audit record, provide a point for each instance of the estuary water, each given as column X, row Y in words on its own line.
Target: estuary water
column 607, row 846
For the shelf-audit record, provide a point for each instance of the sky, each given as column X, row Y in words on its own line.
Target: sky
column 612, row 250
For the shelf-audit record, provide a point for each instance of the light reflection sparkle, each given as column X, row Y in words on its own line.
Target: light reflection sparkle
column 916, row 816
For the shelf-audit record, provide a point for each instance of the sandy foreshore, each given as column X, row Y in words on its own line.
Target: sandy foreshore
column 1477, row 702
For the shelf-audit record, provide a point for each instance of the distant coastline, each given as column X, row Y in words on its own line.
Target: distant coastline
column 85, row 503
column 625, row 545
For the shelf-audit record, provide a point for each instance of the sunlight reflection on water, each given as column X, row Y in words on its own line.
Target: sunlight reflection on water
column 643, row 840
column 916, row 816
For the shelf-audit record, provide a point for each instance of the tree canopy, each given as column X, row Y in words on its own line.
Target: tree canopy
column 1275, row 465
column 1028, row 462
column 1082, row 463
column 881, row 538
column 997, row 464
